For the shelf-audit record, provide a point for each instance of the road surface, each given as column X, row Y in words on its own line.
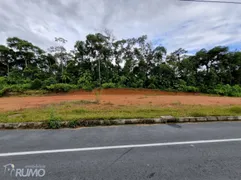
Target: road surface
column 174, row 151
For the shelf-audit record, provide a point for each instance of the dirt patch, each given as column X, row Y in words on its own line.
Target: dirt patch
column 119, row 97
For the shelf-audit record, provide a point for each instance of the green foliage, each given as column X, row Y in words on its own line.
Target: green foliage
column 87, row 87
column 227, row 90
column 129, row 63
column 4, row 91
column 53, row 121
column 189, row 89
column 73, row 124
column 48, row 82
column 36, row 84
column 19, row 87
column 182, row 86
column 85, row 82
column 15, row 77
column 3, row 81
column 61, row 87
column 53, row 124
column 152, row 86
column 108, row 85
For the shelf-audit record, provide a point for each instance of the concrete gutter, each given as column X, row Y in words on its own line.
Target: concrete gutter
column 89, row 123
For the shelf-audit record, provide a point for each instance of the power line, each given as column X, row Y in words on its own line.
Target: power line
column 207, row 1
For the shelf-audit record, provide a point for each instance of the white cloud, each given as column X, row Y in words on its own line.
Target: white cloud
column 177, row 24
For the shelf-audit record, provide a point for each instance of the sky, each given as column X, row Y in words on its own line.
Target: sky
column 170, row 23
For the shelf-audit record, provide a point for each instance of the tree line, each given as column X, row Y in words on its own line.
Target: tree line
column 103, row 60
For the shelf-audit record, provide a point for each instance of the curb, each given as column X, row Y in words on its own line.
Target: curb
column 89, row 123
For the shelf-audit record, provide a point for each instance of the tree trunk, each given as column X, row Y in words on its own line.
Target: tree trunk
column 8, row 69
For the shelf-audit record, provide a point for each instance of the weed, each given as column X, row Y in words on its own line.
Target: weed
column 73, row 124
column 54, row 121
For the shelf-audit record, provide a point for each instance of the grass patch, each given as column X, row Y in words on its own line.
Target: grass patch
column 79, row 111
column 55, row 113
column 236, row 110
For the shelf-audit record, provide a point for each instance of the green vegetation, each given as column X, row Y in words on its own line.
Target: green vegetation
column 61, row 87
column 108, row 85
column 102, row 61
column 76, row 110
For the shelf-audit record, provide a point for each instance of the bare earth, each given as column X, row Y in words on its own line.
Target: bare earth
column 119, row 97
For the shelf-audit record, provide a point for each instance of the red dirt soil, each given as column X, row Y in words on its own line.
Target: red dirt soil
column 119, row 97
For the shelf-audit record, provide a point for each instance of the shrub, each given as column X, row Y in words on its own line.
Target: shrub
column 73, row 124
column 61, row 87
column 49, row 82
column 192, row 89
column 19, row 87
column 226, row 90
column 15, row 77
column 152, row 86
column 85, row 81
column 87, row 87
column 108, row 85
column 14, row 88
column 4, row 91
column 186, row 88
column 3, row 82
column 54, row 121
column 36, row 84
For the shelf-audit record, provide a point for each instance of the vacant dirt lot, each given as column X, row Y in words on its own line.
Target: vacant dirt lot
column 117, row 97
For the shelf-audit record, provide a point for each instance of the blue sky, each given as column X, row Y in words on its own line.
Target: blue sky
column 171, row 23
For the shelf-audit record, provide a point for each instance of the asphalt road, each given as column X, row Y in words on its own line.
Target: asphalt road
column 176, row 152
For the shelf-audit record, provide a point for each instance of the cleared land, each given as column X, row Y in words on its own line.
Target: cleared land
column 115, row 103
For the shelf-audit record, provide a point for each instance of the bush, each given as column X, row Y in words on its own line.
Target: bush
column 185, row 88
column 19, row 87
column 54, row 124
column 236, row 91
column 61, row 87
column 108, row 85
column 15, row 77
column 49, row 82
column 54, row 121
column 191, row 89
column 152, row 86
column 227, row 90
column 4, row 91
column 14, row 88
column 3, row 82
column 85, row 82
column 36, row 84
column 87, row 87
column 73, row 124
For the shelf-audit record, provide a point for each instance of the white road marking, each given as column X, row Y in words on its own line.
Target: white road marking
column 118, row 147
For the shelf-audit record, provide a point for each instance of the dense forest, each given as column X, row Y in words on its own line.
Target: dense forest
column 103, row 61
